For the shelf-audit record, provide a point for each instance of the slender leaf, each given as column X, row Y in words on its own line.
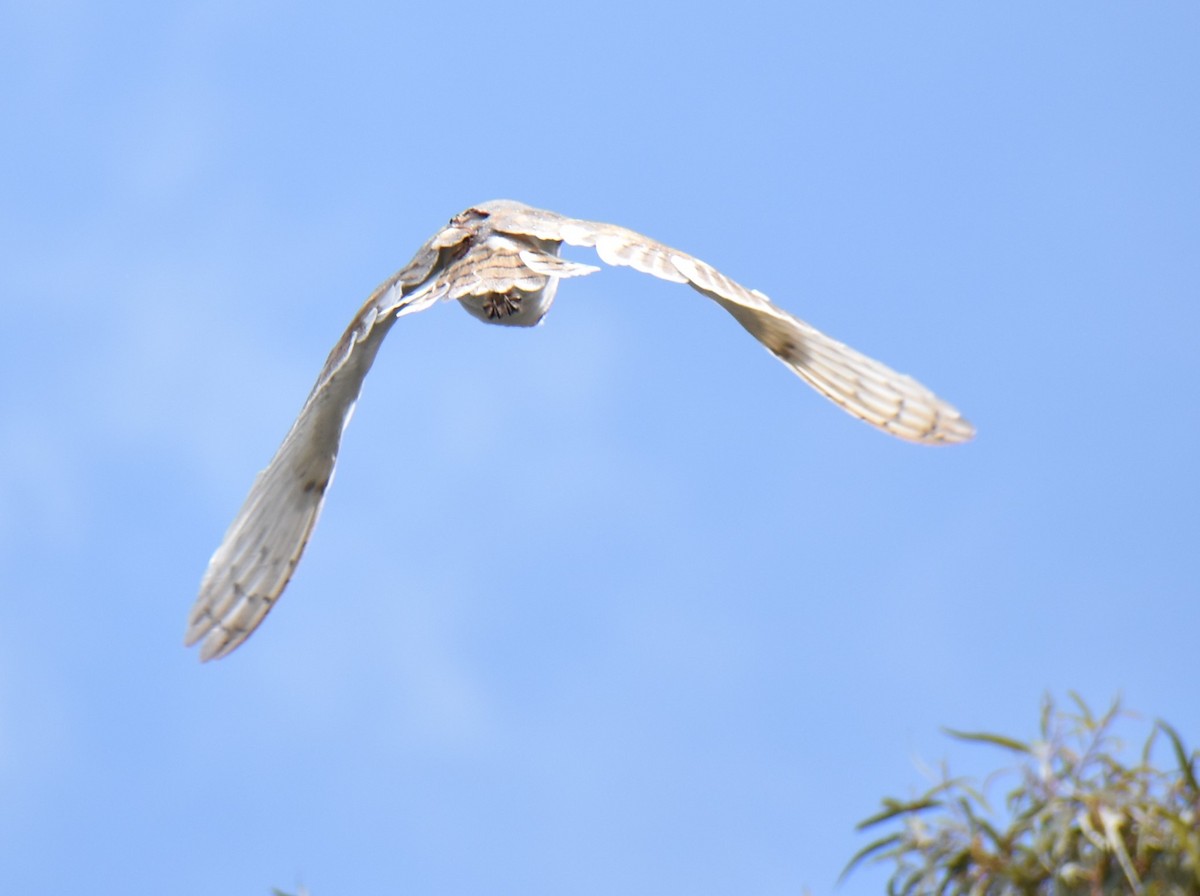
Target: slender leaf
column 894, row 808
column 1187, row 766
column 995, row 739
column 871, row 848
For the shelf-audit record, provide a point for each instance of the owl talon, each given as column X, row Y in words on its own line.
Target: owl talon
column 499, row 305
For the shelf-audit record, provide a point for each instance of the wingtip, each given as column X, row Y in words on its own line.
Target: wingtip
column 216, row 644
column 954, row 431
column 214, row 639
column 959, row 430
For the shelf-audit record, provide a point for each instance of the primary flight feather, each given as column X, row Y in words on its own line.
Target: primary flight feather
column 500, row 260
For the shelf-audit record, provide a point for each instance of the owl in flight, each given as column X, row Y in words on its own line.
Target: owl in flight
column 500, row 260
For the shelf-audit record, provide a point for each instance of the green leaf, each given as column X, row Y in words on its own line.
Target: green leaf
column 910, row 885
column 861, row 856
column 958, row 863
column 1083, row 708
column 999, row 840
column 1109, row 717
column 997, row 740
column 1186, row 763
column 892, row 808
column 1071, row 783
column 1148, row 749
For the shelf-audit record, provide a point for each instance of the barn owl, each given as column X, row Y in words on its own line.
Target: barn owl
column 501, row 261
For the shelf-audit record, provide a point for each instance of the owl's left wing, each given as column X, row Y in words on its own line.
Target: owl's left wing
column 263, row 544
column 866, row 388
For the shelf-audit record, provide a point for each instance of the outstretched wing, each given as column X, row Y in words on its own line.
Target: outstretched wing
column 868, row 389
column 263, row 544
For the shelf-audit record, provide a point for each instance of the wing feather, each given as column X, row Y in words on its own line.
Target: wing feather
column 866, row 388
column 264, row 543
column 262, row 546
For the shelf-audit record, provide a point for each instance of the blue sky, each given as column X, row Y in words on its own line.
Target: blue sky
column 616, row 605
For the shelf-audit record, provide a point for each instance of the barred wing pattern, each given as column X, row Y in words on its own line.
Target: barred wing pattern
column 263, row 544
column 863, row 386
column 500, row 260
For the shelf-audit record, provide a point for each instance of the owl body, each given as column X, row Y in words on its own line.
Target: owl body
column 500, row 260
column 508, row 292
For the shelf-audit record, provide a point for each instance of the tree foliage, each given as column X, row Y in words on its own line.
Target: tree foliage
column 1078, row 822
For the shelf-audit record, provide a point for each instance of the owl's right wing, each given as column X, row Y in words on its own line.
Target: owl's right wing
column 866, row 388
